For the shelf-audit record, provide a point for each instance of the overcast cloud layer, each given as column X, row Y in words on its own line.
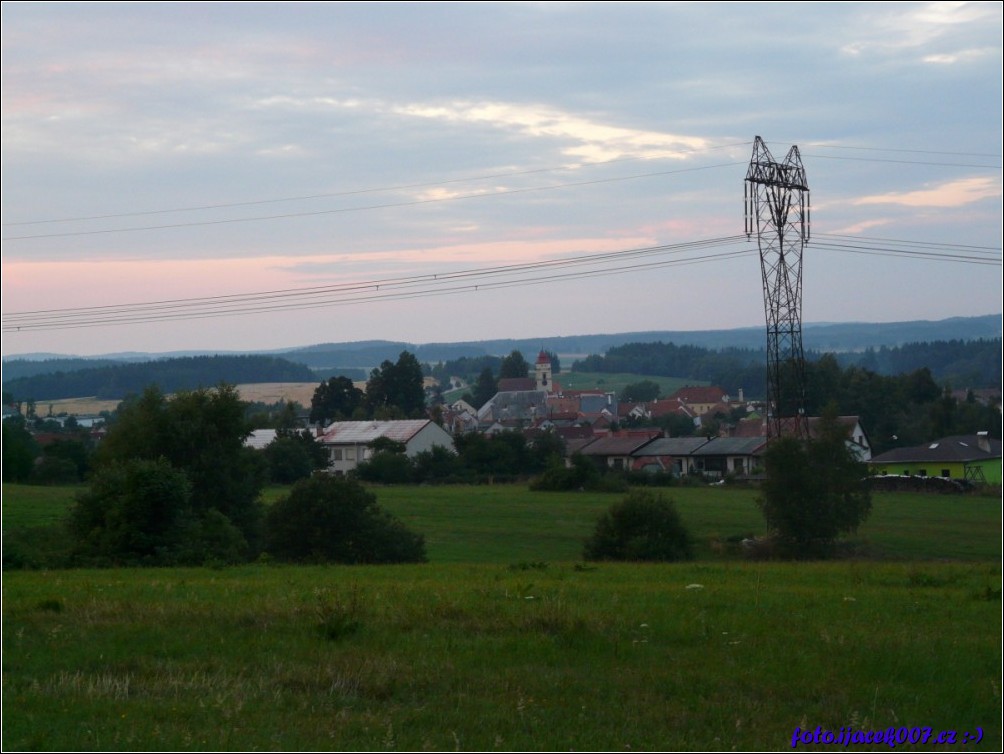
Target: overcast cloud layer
column 156, row 152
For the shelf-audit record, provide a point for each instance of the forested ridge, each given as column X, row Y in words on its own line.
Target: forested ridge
column 962, row 364
column 170, row 375
column 959, row 363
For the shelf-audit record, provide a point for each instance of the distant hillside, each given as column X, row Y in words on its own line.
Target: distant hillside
column 879, row 346
column 170, row 375
column 823, row 337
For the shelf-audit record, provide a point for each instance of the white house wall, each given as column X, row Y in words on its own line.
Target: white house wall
column 427, row 438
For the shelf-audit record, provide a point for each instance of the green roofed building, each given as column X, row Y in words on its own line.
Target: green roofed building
column 973, row 458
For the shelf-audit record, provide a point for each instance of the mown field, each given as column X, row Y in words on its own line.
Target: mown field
column 507, row 641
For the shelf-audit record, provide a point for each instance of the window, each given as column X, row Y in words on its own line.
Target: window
column 336, row 454
column 947, row 473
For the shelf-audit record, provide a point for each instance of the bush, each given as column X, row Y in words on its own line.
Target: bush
column 53, row 470
column 332, row 519
column 642, row 526
column 583, row 474
column 387, row 467
column 132, row 512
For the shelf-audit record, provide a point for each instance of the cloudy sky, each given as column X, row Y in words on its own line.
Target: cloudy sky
column 254, row 176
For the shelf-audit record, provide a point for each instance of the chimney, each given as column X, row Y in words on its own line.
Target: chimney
column 983, row 440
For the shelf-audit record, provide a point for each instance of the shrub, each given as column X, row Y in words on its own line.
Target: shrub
column 332, row 519
column 387, row 467
column 132, row 512
column 140, row 513
column 54, row 470
column 642, row 526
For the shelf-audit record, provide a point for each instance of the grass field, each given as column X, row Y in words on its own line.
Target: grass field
column 506, row 523
column 505, row 641
column 616, row 382
column 265, row 392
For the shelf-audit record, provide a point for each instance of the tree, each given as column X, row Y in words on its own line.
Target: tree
column 336, row 399
column 19, row 451
column 332, row 519
column 292, row 456
column 139, row 512
column 132, row 512
column 642, row 526
column 514, row 366
column 388, row 464
column 201, row 434
column 397, row 386
column 437, row 464
column 814, row 491
column 555, row 362
column 485, row 388
column 641, row 392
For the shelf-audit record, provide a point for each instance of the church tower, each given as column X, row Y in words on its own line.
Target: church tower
column 542, row 370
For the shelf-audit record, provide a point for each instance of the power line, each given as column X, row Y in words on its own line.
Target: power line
column 902, row 242
column 467, row 281
column 902, row 162
column 916, row 254
column 388, row 289
column 904, row 151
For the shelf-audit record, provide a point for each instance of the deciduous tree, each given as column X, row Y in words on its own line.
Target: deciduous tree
column 814, row 491
column 335, row 400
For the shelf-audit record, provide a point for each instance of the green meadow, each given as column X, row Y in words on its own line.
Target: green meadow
column 505, row 640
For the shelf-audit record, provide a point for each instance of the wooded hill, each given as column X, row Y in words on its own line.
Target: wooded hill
column 188, row 373
column 971, row 358
column 961, row 364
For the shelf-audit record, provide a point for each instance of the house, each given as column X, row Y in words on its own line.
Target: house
column 514, row 405
column 975, row 458
column 857, row 438
column 615, row 450
column 670, row 455
column 260, row 439
column 720, row 456
column 700, row 400
column 348, row 443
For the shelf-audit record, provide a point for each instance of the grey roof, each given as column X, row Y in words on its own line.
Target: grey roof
column 594, row 404
column 671, row 446
column 516, row 404
column 363, row 433
column 612, row 445
column 731, row 446
column 960, row 449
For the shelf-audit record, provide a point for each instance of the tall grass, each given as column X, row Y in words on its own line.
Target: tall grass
column 705, row 656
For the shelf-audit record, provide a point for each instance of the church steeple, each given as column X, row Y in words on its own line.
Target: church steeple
column 542, row 371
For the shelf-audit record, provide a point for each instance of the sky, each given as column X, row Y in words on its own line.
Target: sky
column 253, row 176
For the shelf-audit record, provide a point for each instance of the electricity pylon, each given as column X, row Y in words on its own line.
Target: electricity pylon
column 777, row 201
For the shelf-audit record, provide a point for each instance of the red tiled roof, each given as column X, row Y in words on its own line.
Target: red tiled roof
column 695, row 394
column 667, row 406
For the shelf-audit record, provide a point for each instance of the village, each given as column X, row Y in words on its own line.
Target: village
column 620, row 436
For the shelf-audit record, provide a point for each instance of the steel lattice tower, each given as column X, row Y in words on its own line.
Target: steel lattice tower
column 777, row 200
